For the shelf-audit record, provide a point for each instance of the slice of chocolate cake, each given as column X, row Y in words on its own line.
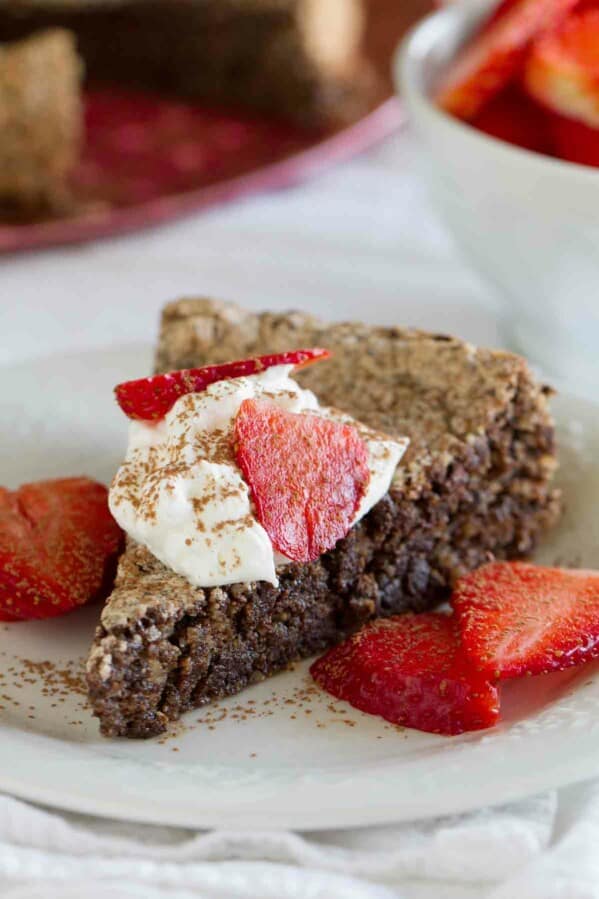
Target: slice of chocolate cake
column 475, row 482
column 298, row 59
column 40, row 120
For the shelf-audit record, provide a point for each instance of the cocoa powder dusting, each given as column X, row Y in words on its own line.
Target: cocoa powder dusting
column 56, row 681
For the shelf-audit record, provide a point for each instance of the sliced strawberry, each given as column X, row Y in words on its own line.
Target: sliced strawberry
column 6, row 616
column 562, row 69
column 58, row 546
column 511, row 116
column 575, row 141
column 410, row 670
column 493, row 58
column 516, row 618
column 307, row 476
column 150, row 399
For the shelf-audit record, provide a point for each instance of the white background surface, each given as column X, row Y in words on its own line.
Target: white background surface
column 359, row 237
column 362, row 235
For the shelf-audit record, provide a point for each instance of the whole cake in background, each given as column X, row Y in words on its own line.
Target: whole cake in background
column 40, row 120
column 296, row 59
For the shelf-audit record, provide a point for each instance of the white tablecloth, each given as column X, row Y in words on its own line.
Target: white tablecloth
column 359, row 242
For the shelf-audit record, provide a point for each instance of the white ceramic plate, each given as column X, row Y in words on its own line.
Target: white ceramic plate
column 280, row 755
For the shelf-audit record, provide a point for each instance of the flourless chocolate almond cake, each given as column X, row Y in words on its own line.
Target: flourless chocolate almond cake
column 475, row 483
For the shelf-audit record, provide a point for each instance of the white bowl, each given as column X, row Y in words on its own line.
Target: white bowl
column 527, row 222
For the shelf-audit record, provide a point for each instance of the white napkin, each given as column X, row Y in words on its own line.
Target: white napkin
column 490, row 853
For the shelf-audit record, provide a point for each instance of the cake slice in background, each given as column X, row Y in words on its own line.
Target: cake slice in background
column 476, row 481
column 296, row 59
column 41, row 121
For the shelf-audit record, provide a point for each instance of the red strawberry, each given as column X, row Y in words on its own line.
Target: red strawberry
column 58, row 545
column 575, row 141
column 150, row 399
column 5, row 616
column 492, row 59
column 511, row 116
column 411, row 671
column 8, row 509
column 307, row 476
column 562, row 69
column 517, row 618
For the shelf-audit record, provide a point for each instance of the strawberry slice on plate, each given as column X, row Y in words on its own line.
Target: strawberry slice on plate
column 496, row 54
column 517, row 619
column 149, row 399
column 411, row 671
column 8, row 509
column 307, row 476
column 5, row 616
column 58, row 547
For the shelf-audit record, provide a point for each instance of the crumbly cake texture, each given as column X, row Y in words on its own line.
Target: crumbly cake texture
column 298, row 59
column 475, row 482
column 41, row 119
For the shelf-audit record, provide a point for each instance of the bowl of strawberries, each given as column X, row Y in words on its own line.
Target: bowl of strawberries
column 506, row 100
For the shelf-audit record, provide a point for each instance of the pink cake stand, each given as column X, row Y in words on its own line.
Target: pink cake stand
column 148, row 160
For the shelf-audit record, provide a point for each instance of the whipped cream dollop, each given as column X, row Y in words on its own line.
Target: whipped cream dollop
column 181, row 494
